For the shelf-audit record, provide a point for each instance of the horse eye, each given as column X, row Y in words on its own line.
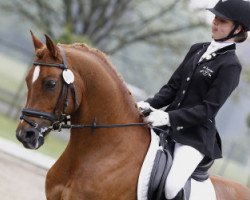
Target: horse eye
column 50, row 84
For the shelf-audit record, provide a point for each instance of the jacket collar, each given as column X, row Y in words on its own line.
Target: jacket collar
column 212, row 56
column 224, row 50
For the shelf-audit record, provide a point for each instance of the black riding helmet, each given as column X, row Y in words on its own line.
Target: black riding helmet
column 236, row 10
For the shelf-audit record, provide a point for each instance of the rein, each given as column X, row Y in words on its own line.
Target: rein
column 61, row 122
column 96, row 126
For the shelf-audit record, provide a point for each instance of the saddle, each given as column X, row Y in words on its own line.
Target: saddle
column 162, row 164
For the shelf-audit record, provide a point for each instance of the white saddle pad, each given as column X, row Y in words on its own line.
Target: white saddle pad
column 199, row 190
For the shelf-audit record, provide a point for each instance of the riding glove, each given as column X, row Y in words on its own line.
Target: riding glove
column 158, row 118
column 142, row 105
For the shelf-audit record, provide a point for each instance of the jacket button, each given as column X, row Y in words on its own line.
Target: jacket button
column 184, row 91
column 178, row 104
column 188, row 79
column 179, row 128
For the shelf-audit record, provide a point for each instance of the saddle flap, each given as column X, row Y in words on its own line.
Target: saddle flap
column 161, row 168
column 157, row 171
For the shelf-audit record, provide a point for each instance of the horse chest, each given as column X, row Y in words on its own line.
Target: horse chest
column 87, row 188
column 66, row 192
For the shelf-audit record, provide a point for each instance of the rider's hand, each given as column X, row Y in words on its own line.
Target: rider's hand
column 158, row 118
column 142, row 105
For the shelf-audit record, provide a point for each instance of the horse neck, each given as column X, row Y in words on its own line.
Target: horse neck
column 106, row 100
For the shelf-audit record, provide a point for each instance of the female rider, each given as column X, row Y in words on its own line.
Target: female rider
column 197, row 90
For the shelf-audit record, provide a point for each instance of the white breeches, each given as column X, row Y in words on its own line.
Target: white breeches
column 185, row 160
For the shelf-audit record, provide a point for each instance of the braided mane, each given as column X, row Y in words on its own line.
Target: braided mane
column 96, row 52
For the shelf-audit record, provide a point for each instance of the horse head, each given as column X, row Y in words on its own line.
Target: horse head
column 53, row 93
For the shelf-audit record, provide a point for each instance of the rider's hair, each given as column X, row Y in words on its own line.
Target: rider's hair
column 242, row 36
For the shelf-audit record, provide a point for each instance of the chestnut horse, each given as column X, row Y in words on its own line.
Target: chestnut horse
column 100, row 162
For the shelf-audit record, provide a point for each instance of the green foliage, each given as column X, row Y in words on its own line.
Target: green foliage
column 69, row 37
column 246, row 73
column 149, row 39
column 248, row 121
column 7, row 128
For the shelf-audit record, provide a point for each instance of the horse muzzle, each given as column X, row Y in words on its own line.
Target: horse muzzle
column 31, row 138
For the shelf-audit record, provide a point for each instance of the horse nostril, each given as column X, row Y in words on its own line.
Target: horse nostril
column 30, row 134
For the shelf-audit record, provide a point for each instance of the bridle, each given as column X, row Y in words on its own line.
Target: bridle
column 59, row 122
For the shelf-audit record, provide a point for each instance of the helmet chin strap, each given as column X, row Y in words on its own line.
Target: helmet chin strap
column 230, row 35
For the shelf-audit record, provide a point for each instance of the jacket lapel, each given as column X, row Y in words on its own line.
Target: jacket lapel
column 199, row 54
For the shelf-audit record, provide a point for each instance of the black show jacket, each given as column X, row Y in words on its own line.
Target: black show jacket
column 195, row 93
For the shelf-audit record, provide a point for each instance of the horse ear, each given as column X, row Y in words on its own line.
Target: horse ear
column 52, row 47
column 37, row 43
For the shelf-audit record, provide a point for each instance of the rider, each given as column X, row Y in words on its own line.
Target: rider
column 197, row 90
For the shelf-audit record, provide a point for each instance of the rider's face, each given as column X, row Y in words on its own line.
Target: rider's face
column 221, row 27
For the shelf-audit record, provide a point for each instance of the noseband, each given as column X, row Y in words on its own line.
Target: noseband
column 60, row 121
